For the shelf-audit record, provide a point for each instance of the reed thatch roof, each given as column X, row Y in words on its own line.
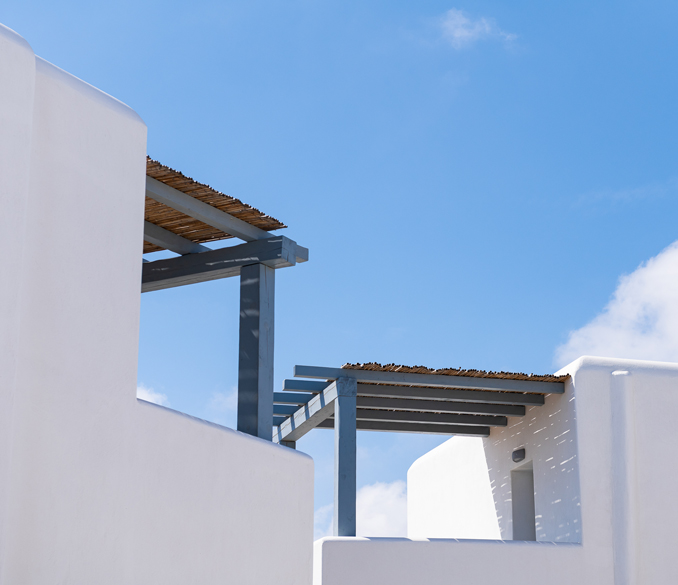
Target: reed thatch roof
column 373, row 366
column 189, row 227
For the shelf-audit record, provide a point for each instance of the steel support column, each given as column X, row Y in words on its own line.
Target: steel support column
column 345, row 458
column 255, row 365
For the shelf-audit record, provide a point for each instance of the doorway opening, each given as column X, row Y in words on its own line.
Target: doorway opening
column 522, row 499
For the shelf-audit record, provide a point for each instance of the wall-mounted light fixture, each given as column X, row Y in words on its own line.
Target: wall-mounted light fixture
column 518, row 455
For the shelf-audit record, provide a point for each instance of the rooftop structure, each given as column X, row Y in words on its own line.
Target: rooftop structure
column 180, row 216
column 372, row 397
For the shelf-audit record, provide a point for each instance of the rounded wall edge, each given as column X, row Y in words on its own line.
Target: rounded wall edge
column 9, row 35
column 597, row 362
column 48, row 69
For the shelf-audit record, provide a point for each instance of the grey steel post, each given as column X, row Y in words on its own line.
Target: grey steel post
column 255, row 365
column 345, row 457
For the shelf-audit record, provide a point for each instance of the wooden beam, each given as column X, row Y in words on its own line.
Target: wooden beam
column 204, row 212
column 168, row 240
column 255, row 363
column 450, row 394
column 431, row 417
column 434, row 380
column 400, row 427
column 275, row 252
column 440, row 406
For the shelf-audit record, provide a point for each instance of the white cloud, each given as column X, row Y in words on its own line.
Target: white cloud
column 381, row 510
column 641, row 319
column 150, row 395
column 322, row 522
column 224, row 401
column 462, row 31
column 223, row 407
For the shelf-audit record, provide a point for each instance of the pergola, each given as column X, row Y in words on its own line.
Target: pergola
column 372, row 397
column 180, row 216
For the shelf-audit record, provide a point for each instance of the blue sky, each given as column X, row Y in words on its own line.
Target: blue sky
column 472, row 179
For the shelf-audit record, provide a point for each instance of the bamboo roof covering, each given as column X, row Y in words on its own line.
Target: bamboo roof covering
column 189, row 227
column 376, row 367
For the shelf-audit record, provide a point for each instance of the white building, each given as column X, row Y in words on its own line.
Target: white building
column 603, row 509
column 95, row 485
column 99, row 487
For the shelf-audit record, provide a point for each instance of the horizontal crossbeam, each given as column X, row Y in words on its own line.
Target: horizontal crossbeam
column 284, row 409
column 305, row 385
column 440, row 406
column 431, row 417
column 275, row 252
column 401, row 427
column 168, row 240
column 434, row 380
column 202, row 211
column 297, row 398
column 450, row 394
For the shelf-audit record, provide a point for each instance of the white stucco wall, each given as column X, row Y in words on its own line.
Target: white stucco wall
column 95, row 485
column 621, row 507
column 462, row 489
column 444, row 503
column 16, row 115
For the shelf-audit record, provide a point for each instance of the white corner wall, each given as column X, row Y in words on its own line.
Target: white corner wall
column 449, row 493
column 96, row 486
column 616, row 421
column 462, row 489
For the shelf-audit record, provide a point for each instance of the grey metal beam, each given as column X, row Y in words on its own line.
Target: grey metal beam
column 305, row 385
column 450, row 394
column 163, row 238
column 206, row 213
column 431, row 417
column 284, row 409
column 400, row 427
column 345, row 458
column 462, row 403
column 435, row 380
column 440, row 406
column 307, row 416
column 275, row 252
column 292, row 397
column 302, row 254
column 290, row 444
column 255, row 364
